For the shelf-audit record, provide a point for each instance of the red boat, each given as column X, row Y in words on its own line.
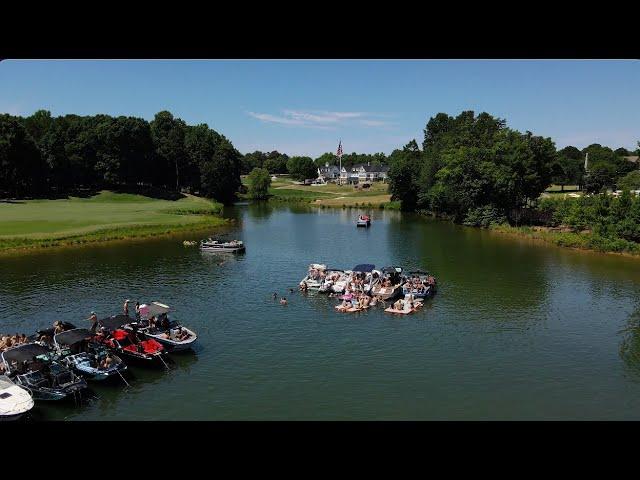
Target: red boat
column 127, row 343
column 363, row 221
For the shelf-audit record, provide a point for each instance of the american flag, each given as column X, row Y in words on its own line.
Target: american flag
column 340, row 149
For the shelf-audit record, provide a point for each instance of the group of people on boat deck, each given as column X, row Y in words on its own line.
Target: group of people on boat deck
column 416, row 284
column 359, row 301
column 406, row 304
column 8, row 341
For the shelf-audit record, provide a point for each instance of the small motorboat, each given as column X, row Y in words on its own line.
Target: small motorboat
column 363, row 221
column 49, row 332
column 420, row 284
column 210, row 245
column 32, row 366
column 78, row 351
column 315, row 276
column 15, row 400
column 174, row 336
column 388, row 285
column 126, row 343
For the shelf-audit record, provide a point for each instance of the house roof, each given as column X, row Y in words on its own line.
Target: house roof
column 632, row 158
column 329, row 169
column 370, row 168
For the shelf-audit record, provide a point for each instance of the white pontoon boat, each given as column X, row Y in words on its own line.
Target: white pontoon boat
column 210, row 245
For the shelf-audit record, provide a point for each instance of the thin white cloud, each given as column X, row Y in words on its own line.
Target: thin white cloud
column 266, row 117
column 321, row 119
column 375, row 123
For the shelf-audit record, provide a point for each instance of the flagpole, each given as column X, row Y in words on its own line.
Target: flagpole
column 340, row 158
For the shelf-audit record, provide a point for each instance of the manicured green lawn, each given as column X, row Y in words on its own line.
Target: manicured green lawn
column 330, row 195
column 108, row 214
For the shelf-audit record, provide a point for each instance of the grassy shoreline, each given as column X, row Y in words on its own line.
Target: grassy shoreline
column 285, row 190
column 585, row 242
column 106, row 217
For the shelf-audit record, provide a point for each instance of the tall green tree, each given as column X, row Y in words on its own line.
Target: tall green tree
column 403, row 175
column 220, row 175
column 259, row 183
column 22, row 169
column 302, row 168
column 168, row 135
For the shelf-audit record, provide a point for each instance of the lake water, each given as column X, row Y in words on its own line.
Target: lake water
column 517, row 330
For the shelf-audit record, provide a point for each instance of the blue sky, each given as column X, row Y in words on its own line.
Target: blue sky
column 304, row 107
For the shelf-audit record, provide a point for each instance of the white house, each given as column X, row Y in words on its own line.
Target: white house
column 328, row 173
column 364, row 173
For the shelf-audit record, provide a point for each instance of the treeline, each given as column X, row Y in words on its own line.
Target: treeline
column 611, row 223
column 43, row 155
column 474, row 166
column 279, row 163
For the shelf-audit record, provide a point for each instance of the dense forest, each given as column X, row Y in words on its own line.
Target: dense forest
column 41, row 155
column 470, row 166
column 474, row 162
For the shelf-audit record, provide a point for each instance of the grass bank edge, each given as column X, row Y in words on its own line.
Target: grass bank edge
column 575, row 240
column 17, row 244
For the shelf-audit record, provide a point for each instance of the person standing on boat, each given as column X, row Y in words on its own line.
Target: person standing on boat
column 138, row 311
column 94, row 322
column 126, row 307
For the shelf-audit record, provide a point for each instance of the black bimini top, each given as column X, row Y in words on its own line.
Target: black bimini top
column 419, row 272
column 391, row 270
column 115, row 322
column 364, row 267
column 24, row 352
column 71, row 337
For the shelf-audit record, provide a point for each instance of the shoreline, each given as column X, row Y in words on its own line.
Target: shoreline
column 575, row 241
column 107, row 236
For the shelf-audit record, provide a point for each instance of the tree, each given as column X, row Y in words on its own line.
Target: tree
column 168, row 135
column 302, row 168
column 259, row 183
column 220, row 175
column 326, row 158
column 38, row 124
column 276, row 162
column 403, row 175
column 201, row 144
column 631, row 181
column 252, row 160
column 22, row 169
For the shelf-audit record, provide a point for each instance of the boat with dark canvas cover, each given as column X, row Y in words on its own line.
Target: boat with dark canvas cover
column 78, row 351
column 32, row 366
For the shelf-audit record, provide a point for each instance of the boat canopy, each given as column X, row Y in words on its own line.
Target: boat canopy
column 24, row 352
column 392, row 270
column 71, row 337
column 154, row 309
column 114, row 322
column 317, row 266
column 364, row 267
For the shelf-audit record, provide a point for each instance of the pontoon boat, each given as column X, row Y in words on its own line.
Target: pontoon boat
column 210, row 245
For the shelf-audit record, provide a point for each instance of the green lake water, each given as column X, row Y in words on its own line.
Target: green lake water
column 517, row 330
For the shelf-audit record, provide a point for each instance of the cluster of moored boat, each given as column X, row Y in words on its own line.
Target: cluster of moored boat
column 55, row 363
column 365, row 286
